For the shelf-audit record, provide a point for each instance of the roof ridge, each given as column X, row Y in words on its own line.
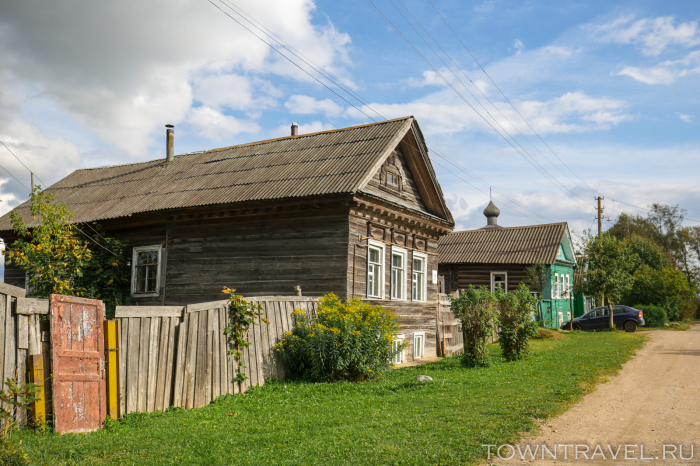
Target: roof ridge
column 509, row 228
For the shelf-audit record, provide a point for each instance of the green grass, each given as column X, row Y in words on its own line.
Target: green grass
column 395, row 421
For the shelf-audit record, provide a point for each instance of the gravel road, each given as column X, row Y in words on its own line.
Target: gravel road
column 653, row 401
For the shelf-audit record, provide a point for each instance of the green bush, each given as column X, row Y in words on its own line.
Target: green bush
column 349, row 340
column 654, row 316
column 11, row 453
column 475, row 310
column 516, row 322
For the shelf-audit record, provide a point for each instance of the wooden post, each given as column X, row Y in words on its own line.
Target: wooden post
column 36, row 376
column 111, row 332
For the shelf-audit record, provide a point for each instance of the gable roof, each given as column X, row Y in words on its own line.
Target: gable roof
column 510, row 245
column 329, row 162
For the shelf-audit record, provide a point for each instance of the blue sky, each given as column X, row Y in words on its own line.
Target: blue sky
column 611, row 87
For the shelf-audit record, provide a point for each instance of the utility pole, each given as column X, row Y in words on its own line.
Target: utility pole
column 600, row 217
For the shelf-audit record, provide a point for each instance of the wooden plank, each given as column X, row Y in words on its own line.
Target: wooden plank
column 205, row 306
column 132, row 383
column 200, row 361
column 282, row 298
column 215, row 352
column 12, row 290
column 36, row 376
column 162, row 364
column 255, row 349
column 123, row 358
column 180, row 363
column 191, row 361
column 152, row 361
column 10, row 343
column 209, row 351
column 22, row 357
column 170, row 363
column 149, row 311
column 223, row 351
column 30, row 306
column 111, row 335
column 22, row 331
column 266, row 339
column 252, row 363
column 141, row 394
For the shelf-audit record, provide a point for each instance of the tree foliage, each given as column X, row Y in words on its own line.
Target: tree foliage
column 610, row 263
column 53, row 255
column 349, row 340
column 58, row 257
column 516, row 322
column 475, row 308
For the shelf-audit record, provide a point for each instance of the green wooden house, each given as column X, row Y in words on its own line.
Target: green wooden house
column 497, row 257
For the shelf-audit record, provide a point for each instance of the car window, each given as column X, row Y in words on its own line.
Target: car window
column 619, row 310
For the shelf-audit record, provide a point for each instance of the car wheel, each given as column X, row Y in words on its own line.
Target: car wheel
column 630, row 326
column 577, row 327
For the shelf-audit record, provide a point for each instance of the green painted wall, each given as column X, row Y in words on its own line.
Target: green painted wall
column 551, row 306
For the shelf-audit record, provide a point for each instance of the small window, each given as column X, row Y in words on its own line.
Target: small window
column 418, row 345
column 499, row 280
column 392, row 179
column 399, row 356
column 418, row 283
column 561, row 318
column 145, row 271
column 556, row 285
column 398, row 274
column 375, row 270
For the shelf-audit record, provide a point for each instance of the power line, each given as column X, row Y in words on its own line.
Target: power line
column 532, row 161
column 650, row 210
column 13, row 176
column 333, row 80
column 507, row 99
column 37, row 176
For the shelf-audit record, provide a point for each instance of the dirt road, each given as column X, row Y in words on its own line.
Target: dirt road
column 654, row 401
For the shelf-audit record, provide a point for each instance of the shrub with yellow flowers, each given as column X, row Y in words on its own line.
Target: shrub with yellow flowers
column 349, row 340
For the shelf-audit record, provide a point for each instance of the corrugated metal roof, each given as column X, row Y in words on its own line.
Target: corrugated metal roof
column 329, row 162
column 511, row 245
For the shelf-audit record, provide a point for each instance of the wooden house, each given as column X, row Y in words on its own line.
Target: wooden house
column 497, row 257
column 355, row 211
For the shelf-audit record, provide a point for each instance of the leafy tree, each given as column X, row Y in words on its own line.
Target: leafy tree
column 610, row 263
column 476, row 311
column 53, row 255
column 516, row 321
column 537, row 277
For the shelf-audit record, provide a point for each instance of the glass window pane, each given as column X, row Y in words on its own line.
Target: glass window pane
column 418, row 264
column 397, row 260
column 373, row 255
column 141, row 258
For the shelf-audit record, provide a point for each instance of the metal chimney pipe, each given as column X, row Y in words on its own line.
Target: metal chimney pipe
column 295, row 129
column 169, row 143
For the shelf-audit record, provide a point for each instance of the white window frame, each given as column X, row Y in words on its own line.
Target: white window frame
column 556, row 286
column 424, row 286
column 562, row 286
column 419, row 337
column 561, row 318
column 404, row 254
column 382, row 253
column 493, row 283
column 134, row 257
column 569, row 291
column 400, row 357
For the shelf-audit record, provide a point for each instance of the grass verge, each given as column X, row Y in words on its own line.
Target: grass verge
column 395, row 421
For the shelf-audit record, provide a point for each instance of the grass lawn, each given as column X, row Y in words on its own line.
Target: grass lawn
column 395, row 421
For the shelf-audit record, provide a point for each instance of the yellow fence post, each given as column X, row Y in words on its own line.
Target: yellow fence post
column 112, row 355
column 36, row 376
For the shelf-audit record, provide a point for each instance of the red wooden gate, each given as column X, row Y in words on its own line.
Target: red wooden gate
column 77, row 357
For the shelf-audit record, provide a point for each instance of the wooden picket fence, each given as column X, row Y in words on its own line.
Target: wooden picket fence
column 20, row 336
column 179, row 355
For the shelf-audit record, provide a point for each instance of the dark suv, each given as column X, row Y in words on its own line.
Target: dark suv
column 626, row 317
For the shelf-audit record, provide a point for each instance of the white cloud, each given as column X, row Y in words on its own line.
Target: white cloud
column 652, row 35
column 235, row 92
column 686, row 118
column 306, row 105
column 216, row 126
column 666, row 72
column 519, row 46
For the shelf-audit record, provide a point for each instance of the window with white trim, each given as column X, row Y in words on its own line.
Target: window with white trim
column 418, row 282
column 375, row 269
column 556, row 286
column 569, row 291
column 562, row 286
column 398, row 356
column 398, row 273
column 418, row 345
column 499, row 280
column 145, row 271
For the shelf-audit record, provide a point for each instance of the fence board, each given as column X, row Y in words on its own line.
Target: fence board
column 152, row 361
column 257, row 347
column 178, row 399
column 215, row 353
column 208, row 368
column 10, row 343
column 223, row 350
column 162, row 364
column 123, row 356
column 192, row 335
column 133, row 364
column 169, row 362
column 148, row 311
column 3, row 323
column 142, row 396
